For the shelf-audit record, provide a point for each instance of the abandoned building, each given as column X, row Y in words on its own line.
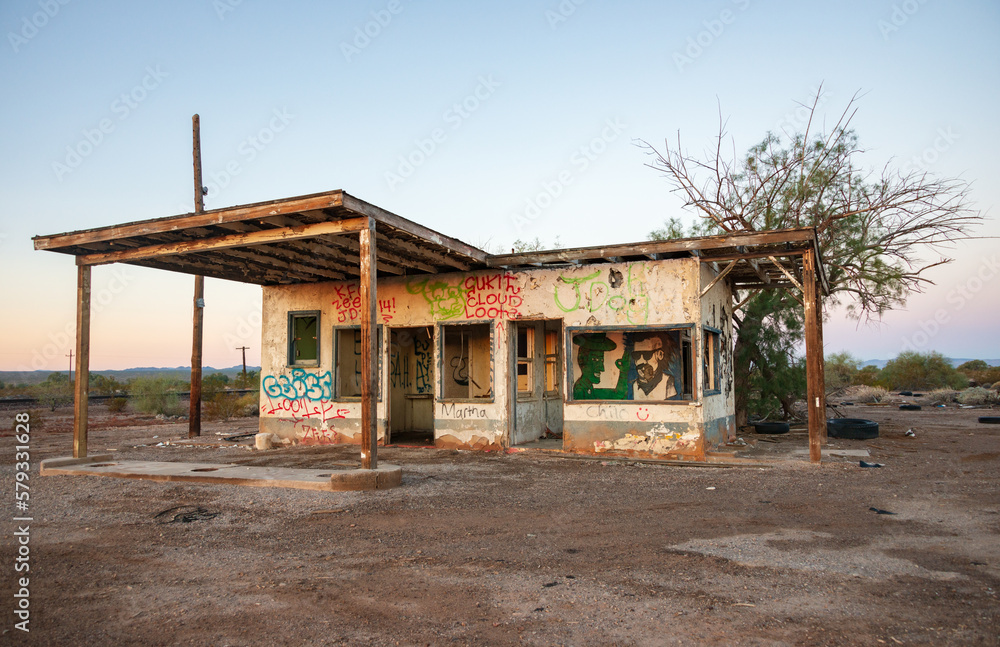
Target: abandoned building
column 379, row 330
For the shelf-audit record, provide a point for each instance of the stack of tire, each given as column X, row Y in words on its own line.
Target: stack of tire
column 851, row 428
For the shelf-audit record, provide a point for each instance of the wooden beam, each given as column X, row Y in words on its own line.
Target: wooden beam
column 206, row 218
column 822, row 359
column 369, row 348
column 787, row 274
column 453, row 245
column 690, row 245
column 228, row 241
column 718, row 277
column 82, row 385
column 746, row 299
column 814, row 360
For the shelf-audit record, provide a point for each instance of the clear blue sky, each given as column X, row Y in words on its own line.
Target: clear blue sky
column 295, row 101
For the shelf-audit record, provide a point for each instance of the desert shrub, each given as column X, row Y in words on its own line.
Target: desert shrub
column 941, row 396
column 866, row 376
column 55, row 391
column 840, row 369
column 870, row 394
column 912, row 370
column 117, row 404
column 104, row 385
column 213, row 385
column 224, row 406
column 979, row 395
column 155, row 395
column 250, row 381
column 980, row 373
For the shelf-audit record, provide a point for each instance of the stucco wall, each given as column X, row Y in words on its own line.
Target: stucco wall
column 301, row 404
column 716, row 313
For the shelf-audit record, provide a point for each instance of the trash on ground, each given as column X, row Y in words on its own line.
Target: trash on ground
column 909, row 432
column 880, row 511
column 867, row 464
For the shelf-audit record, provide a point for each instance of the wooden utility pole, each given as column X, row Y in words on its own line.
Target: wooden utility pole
column 369, row 348
column 244, row 349
column 70, row 356
column 81, row 387
column 194, row 413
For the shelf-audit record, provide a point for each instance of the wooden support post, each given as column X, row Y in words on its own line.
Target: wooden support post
column 197, row 334
column 82, row 385
column 822, row 362
column 194, row 412
column 814, row 358
column 369, row 349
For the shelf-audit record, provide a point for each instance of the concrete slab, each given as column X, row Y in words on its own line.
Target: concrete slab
column 329, row 480
column 840, row 453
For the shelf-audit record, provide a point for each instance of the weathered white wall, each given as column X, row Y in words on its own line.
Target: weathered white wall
column 299, row 404
column 716, row 312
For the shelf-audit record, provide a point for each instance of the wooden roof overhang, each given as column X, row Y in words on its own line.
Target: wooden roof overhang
column 750, row 260
column 295, row 240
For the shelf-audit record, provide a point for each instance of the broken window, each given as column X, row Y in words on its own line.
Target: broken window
column 303, row 338
column 710, row 361
column 348, row 351
column 466, row 362
column 525, row 353
column 653, row 364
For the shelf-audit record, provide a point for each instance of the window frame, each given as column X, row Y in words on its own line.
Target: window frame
column 528, row 361
column 716, row 336
column 571, row 331
column 440, row 349
column 291, row 361
column 335, row 363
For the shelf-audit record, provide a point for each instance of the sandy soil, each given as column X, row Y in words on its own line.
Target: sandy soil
column 529, row 548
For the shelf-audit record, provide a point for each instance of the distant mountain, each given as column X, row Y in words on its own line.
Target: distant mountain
column 955, row 361
column 179, row 372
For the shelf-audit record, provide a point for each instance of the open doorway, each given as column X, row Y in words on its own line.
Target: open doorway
column 538, row 407
column 411, row 386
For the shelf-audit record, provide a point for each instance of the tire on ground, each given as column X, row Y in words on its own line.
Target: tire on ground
column 910, row 407
column 990, row 420
column 771, row 427
column 851, row 428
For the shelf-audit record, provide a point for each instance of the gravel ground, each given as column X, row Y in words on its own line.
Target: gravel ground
column 531, row 548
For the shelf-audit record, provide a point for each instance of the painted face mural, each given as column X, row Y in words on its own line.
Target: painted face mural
column 651, row 362
column 618, row 365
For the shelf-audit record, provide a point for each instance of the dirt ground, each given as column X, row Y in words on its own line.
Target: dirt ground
column 526, row 548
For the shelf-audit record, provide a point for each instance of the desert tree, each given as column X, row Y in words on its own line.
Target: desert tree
column 879, row 229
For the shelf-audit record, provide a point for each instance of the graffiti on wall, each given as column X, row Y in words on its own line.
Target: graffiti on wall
column 307, row 399
column 493, row 295
column 423, row 355
column 618, row 294
column 620, row 365
column 347, row 302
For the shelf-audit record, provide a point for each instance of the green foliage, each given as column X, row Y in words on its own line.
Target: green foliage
column 840, row 370
column 973, row 365
column 765, row 353
column 913, row 370
column 213, row 384
column 250, row 381
column 56, row 391
column 867, row 376
column 156, row 395
column 105, row 385
column 980, row 372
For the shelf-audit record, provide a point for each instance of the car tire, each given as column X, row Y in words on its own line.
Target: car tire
column 990, row 420
column 909, row 407
column 771, row 427
column 851, row 428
